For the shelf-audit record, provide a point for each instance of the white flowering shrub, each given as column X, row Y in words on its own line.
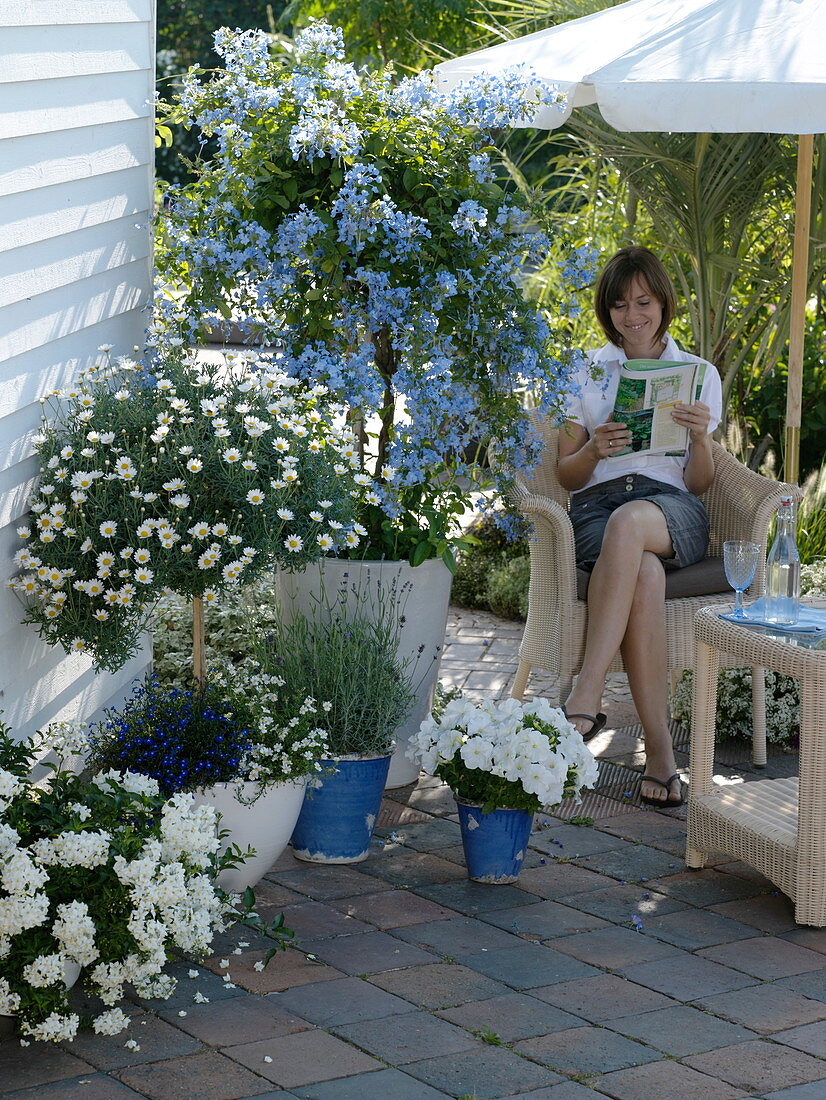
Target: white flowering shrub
column 193, row 479
column 506, row 755
column 104, row 874
column 734, row 717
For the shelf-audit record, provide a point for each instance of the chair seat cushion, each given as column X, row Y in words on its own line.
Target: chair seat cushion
column 704, row 578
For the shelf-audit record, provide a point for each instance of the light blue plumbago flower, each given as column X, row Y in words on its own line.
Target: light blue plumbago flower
column 359, row 223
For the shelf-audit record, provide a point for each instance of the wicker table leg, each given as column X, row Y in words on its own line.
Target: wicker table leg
column 703, row 716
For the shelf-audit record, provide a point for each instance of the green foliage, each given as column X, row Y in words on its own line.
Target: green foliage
column 489, row 547
column 348, row 663
column 759, row 401
column 408, row 33
column 230, row 623
column 507, row 593
column 811, row 518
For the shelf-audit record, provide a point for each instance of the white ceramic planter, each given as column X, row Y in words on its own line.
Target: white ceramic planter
column 424, row 598
column 71, row 973
column 266, row 826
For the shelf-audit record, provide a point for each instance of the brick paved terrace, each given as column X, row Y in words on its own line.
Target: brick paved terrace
column 608, row 970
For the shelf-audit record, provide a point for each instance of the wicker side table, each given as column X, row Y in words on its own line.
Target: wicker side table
column 777, row 826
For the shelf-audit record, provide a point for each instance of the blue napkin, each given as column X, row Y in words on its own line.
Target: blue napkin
column 812, row 620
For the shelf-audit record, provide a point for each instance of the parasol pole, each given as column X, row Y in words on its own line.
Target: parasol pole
column 797, row 319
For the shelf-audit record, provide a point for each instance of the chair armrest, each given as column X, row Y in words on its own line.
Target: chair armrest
column 742, row 504
column 552, row 550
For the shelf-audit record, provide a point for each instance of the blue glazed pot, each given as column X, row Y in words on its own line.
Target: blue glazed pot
column 340, row 810
column 495, row 844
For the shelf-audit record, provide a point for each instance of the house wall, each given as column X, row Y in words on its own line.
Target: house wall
column 76, row 182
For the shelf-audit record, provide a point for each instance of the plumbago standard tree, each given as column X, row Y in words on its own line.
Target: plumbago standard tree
column 357, row 223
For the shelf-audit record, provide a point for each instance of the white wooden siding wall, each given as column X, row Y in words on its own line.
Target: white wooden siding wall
column 76, row 151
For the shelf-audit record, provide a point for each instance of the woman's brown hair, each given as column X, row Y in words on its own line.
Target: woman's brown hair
column 615, row 279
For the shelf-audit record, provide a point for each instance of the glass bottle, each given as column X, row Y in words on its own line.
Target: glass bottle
column 783, row 569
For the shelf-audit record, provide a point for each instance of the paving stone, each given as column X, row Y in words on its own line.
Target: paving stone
column 210, row 1073
column 586, row 1050
column 425, row 836
column 760, row 1066
column 619, row 903
column 322, row 881
column 206, row 983
column 158, row 1040
column 242, row 1020
column 475, row 897
column 572, row 841
column 765, row 1008
column 313, row 920
column 37, row 1064
column 368, row 953
column 393, row 908
column 543, row 920
column 558, row 880
column 406, row 867
column 457, row 937
column 271, row 897
column 681, row 1030
column 302, row 1059
column 612, row 948
column 811, row 985
column 695, row 928
column 602, row 998
column 568, row 1090
column 407, row 1038
column 341, row 1002
column 528, row 965
column 91, row 1087
column 484, row 1073
column 384, row 1084
column 511, row 1016
column 809, row 1037
column 813, row 938
column 439, row 985
column 286, row 969
column 632, row 863
column 706, row 887
column 657, row 831
column 664, row 1079
column 766, row 957
column 813, row 1091
column 686, row 977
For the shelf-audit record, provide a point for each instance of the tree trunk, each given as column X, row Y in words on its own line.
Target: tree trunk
column 198, row 666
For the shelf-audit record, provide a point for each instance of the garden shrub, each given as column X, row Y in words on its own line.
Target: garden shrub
column 508, row 588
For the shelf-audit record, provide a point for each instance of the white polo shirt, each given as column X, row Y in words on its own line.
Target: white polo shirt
column 595, row 402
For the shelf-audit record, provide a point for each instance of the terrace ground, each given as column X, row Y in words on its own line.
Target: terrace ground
column 608, row 970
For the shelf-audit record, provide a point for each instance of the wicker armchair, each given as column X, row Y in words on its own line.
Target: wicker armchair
column 740, row 504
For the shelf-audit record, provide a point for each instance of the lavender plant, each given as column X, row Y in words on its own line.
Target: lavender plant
column 358, row 224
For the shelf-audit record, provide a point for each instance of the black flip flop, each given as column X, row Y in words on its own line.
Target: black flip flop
column 666, row 802
column 597, row 722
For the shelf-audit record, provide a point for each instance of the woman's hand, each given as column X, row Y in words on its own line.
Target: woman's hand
column 610, row 438
column 695, row 417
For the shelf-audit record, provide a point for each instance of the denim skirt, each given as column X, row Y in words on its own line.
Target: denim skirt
column 684, row 513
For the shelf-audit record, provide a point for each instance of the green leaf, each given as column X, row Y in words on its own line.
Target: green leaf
column 420, row 553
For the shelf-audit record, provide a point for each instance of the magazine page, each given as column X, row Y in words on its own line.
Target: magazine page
column 648, row 390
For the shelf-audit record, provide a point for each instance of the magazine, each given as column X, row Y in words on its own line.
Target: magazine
column 648, row 390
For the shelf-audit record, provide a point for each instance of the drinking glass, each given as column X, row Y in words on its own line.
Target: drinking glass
column 740, row 563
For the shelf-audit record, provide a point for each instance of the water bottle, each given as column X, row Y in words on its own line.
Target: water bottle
column 783, row 569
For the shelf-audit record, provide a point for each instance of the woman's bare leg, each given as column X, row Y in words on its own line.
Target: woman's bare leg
column 635, row 528
column 644, row 650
